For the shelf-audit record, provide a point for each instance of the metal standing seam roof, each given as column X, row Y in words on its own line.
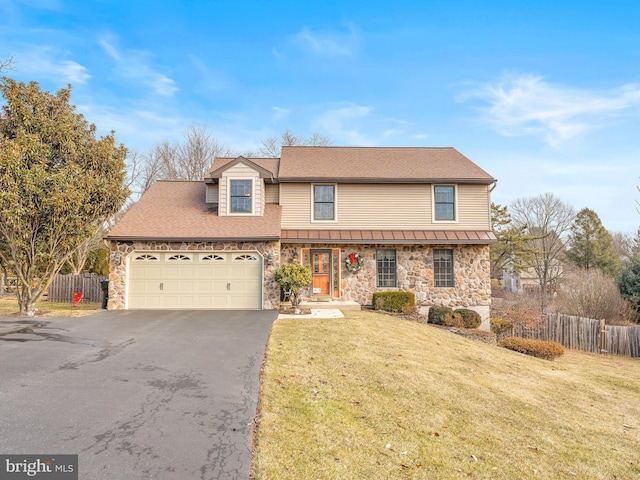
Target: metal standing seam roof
column 432, row 237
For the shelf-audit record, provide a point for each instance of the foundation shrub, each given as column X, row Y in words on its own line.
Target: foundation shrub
column 470, row 318
column 536, row 348
column 439, row 315
column 393, row 301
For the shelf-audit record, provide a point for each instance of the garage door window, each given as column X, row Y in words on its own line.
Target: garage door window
column 146, row 258
column 246, row 258
column 212, row 258
column 180, row 258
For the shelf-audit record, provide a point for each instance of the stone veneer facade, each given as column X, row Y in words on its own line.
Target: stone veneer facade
column 414, row 270
column 118, row 273
column 415, row 273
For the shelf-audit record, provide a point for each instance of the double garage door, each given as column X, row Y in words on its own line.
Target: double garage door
column 198, row 280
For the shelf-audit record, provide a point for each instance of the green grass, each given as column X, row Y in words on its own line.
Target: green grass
column 9, row 306
column 373, row 396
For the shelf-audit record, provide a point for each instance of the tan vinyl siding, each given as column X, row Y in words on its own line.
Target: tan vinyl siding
column 272, row 193
column 241, row 171
column 473, row 208
column 384, row 206
column 212, row 193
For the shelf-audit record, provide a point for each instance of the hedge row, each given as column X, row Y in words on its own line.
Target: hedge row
column 394, row 301
column 536, row 348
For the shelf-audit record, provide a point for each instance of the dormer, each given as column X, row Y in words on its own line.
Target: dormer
column 238, row 185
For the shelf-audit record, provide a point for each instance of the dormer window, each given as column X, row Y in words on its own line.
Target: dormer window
column 241, row 198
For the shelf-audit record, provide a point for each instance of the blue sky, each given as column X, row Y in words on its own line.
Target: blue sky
column 543, row 95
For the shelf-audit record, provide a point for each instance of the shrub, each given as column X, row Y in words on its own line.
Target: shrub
column 470, row 318
column 500, row 325
column 292, row 277
column 519, row 314
column 536, row 348
column 393, row 301
column 439, row 315
column 592, row 294
column 409, row 309
column 454, row 320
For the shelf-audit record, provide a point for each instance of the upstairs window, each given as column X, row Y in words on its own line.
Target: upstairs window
column 445, row 202
column 324, row 205
column 241, row 196
column 443, row 267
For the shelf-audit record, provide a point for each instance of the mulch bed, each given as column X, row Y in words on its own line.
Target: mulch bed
column 291, row 311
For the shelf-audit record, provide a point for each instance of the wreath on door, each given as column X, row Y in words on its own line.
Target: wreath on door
column 354, row 262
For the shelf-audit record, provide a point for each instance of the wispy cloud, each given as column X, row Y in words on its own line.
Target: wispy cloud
column 280, row 113
column 342, row 123
column 329, row 44
column 529, row 105
column 136, row 65
column 43, row 62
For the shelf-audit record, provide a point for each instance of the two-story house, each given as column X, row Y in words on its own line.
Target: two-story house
column 365, row 219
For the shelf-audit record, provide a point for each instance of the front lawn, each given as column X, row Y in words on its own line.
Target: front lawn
column 377, row 397
column 9, row 306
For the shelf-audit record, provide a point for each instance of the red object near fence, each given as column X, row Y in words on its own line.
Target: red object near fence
column 76, row 298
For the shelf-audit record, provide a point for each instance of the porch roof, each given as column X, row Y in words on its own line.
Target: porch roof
column 434, row 237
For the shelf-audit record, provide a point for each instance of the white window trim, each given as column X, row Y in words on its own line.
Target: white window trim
column 335, row 203
column 455, row 199
column 253, row 197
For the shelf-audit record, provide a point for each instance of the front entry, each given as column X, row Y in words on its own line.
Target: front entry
column 321, row 270
column 325, row 271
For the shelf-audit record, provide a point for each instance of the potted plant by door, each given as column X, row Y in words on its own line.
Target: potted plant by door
column 292, row 278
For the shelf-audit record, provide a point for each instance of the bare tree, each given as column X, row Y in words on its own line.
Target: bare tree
column 189, row 159
column 593, row 294
column 623, row 245
column 550, row 219
column 272, row 146
column 6, row 64
column 195, row 155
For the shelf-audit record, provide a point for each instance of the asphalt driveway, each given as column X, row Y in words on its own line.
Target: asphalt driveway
column 137, row 395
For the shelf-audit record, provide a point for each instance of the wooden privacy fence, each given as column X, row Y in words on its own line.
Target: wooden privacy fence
column 63, row 287
column 585, row 334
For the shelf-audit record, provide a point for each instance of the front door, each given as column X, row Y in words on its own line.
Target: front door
column 321, row 269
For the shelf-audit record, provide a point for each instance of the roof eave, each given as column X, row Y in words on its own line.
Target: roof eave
column 136, row 238
column 386, row 242
column 471, row 181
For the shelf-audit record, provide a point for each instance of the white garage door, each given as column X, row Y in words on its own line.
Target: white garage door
column 205, row 280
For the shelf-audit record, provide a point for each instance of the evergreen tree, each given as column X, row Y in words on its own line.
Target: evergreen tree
column 58, row 184
column 513, row 250
column 629, row 282
column 590, row 245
